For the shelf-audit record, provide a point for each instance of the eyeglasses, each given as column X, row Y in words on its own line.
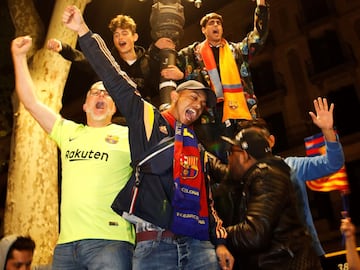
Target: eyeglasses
column 96, row 92
column 233, row 150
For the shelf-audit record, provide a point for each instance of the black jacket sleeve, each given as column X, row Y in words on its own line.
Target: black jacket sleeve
column 78, row 59
column 262, row 206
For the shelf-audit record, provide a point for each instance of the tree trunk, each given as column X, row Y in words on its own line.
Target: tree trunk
column 32, row 195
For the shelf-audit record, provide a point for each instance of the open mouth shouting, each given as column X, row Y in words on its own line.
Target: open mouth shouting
column 122, row 44
column 100, row 105
column 190, row 115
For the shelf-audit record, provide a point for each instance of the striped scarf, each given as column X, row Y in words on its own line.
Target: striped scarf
column 228, row 86
column 190, row 208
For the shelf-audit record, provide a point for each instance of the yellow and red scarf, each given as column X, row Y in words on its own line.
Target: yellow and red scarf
column 228, row 86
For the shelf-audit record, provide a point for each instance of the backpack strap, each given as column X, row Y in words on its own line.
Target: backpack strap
column 157, row 161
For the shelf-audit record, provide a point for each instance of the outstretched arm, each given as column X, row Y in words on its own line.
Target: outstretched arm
column 324, row 118
column 54, row 45
column 347, row 228
column 76, row 57
column 311, row 168
column 66, row 51
column 73, row 19
column 260, row 2
column 25, row 87
column 256, row 38
column 117, row 82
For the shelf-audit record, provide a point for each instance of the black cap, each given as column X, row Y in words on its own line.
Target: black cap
column 251, row 141
column 195, row 85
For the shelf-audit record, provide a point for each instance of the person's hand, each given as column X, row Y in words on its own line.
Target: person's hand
column 347, row 228
column 324, row 115
column 165, row 43
column 226, row 260
column 54, row 45
column 73, row 19
column 21, row 45
column 260, row 2
column 172, row 73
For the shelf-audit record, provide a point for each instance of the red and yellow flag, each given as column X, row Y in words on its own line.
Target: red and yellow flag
column 315, row 146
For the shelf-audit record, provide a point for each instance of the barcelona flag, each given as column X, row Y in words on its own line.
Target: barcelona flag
column 315, row 146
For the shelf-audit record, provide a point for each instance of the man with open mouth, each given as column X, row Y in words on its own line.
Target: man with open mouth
column 224, row 66
column 95, row 163
column 170, row 204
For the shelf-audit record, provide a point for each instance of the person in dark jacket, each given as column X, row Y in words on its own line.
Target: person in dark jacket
column 265, row 231
column 198, row 66
column 305, row 169
column 225, row 67
column 133, row 59
column 176, row 224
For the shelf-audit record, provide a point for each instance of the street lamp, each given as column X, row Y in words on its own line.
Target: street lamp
column 167, row 20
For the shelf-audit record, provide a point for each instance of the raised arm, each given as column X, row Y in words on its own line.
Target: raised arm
column 324, row 118
column 347, row 228
column 121, row 88
column 25, row 87
column 261, row 20
column 76, row 57
column 65, row 50
column 255, row 39
column 310, row 168
column 73, row 20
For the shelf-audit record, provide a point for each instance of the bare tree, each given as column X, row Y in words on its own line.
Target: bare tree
column 32, row 195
